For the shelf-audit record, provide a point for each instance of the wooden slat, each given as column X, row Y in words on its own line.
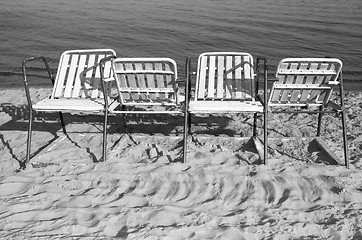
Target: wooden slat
column 170, row 83
column 150, row 78
column 220, row 76
column 160, row 80
column 148, row 90
column 301, row 86
column 275, row 93
column 141, row 80
column 288, row 80
column 85, row 104
column 211, row 77
column 97, row 79
column 321, row 95
column 311, row 98
column 308, row 80
column 307, row 71
column 200, row 90
column 239, row 74
column 87, row 81
column 131, row 81
column 228, row 83
column 61, row 75
column 122, row 82
column 147, row 71
column 248, row 75
column 296, row 94
column 326, row 95
column 225, row 106
column 71, row 75
column 77, row 83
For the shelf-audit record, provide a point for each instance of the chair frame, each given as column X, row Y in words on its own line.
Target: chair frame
column 54, row 84
column 142, row 73
column 339, row 109
column 254, row 90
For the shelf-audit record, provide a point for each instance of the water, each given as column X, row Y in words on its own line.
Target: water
column 179, row 28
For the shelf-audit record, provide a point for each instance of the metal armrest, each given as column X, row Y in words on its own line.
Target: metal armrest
column 260, row 98
column 105, row 80
column 272, row 79
column 27, row 92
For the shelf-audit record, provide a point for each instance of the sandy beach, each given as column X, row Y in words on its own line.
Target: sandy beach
column 143, row 191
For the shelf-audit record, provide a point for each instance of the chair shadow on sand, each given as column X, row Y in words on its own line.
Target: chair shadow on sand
column 211, row 126
column 48, row 122
column 149, row 124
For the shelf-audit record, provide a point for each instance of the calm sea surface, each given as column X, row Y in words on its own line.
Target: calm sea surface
column 179, row 28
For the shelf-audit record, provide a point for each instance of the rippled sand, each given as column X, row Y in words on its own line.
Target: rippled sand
column 144, row 192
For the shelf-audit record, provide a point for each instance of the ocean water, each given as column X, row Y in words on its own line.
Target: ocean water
column 178, row 29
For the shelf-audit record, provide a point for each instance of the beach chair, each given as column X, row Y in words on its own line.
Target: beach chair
column 146, row 86
column 77, row 87
column 225, row 83
column 305, row 85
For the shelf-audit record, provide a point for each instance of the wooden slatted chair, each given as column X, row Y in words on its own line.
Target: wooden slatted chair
column 146, row 86
column 77, row 87
column 307, row 84
column 224, row 84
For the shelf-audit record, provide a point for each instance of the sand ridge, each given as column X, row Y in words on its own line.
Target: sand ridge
column 144, row 192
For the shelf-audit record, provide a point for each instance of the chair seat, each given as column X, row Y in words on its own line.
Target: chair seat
column 225, row 106
column 71, row 104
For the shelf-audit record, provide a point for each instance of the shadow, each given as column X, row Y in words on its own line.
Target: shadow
column 43, row 122
column 322, row 156
column 250, row 147
column 7, row 145
column 152, row 124
column 167, row 124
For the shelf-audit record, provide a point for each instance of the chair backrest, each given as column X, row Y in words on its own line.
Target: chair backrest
column 305, row 81
column 225, row 75
column 78, row 74
column 146, row 81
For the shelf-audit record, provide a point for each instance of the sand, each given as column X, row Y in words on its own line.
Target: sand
column 143, row 192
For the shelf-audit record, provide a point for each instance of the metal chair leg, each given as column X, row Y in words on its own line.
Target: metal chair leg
column 185, row 137
column 266, row 137
column 319, row 121
column 255, row 123
column 189, row 123
column 266, row 112
column 344, row 126
column 62, row 122
column 105, row 124
column 345, row 147
column 28, row 147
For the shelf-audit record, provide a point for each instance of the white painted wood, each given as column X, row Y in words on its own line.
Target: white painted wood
column 86, row 82
column 77, row 84
column 229, row 79
column 97, row 78
column 148, row 81
column 225, row 106
column 61, row 75
column 305, row 81
column 200, row 84
column 239, row 70
column 220, row 76
column 71, row 75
